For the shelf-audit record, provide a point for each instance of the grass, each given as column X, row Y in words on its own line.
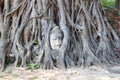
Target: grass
column 8, row 71
column 33, row 78
column 1, row 76
column 108, row 3
column 15, row 75
column 32, row 66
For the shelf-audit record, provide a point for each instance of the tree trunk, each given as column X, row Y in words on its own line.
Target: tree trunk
column 82, row 34
column 117, row 4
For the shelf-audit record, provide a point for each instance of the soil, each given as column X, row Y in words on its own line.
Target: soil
column 92, row 73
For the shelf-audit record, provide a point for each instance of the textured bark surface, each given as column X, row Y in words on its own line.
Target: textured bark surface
column 25, row 27
column 117, row 4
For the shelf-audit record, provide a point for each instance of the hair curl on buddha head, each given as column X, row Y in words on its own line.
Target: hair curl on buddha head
column 55, row 29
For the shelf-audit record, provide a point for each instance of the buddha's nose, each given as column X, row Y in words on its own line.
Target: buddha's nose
column 58, row 42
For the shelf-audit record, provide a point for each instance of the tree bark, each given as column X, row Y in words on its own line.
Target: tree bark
column 25, row 27
column 117, row 4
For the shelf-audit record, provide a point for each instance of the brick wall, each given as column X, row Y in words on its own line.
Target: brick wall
column 114, row 19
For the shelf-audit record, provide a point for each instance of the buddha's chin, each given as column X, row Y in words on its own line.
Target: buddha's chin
column 56, row 47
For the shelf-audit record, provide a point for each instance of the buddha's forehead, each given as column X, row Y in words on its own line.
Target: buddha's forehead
column 56, row 33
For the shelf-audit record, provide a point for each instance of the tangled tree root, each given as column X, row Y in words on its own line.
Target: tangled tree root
column 25, row 27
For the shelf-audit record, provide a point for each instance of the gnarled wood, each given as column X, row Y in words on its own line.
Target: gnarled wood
column 25, row 28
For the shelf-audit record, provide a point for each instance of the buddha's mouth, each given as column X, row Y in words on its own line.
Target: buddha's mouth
column 57, row 45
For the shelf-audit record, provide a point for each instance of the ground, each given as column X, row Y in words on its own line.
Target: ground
column 92, row 73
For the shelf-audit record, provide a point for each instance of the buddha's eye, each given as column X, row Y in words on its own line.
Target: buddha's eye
column 60, row 37
column 54, row 38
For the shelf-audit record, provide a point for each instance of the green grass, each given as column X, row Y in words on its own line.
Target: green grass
column 32, row 66
column 1, row 76
column 8, row 71
column 15, row 75
column 108, row 3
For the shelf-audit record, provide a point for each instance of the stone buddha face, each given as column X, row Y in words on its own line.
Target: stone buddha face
column 56, row 38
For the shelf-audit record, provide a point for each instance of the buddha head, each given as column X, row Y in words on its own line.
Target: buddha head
column 56, row 38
